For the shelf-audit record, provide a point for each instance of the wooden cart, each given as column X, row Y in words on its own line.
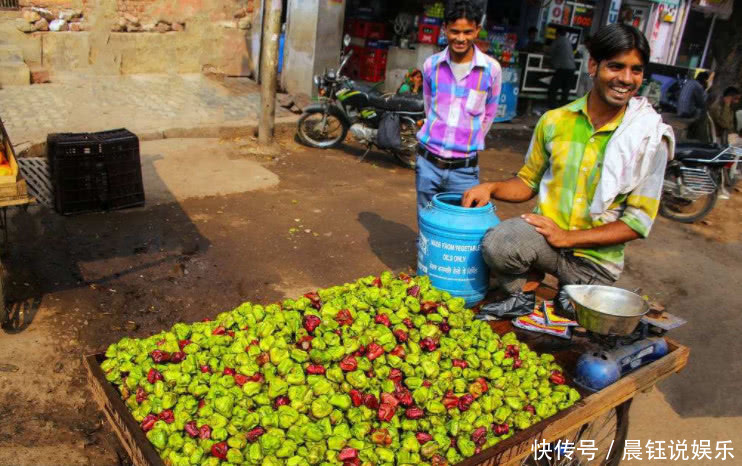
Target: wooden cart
column 13, row 193
column 574, row 423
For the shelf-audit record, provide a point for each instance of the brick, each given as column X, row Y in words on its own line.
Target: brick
column 39, row 76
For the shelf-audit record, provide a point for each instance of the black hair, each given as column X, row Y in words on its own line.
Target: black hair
column 731, row 91
column 615, row 39
column 703, row 78
column 532, row 29
column 463, row 9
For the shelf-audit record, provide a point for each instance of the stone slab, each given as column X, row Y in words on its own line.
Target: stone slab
column 66, row 51
column 14, row 73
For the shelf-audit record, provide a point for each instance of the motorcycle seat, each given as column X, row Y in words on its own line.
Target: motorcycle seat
column 692, row 150
column 397, row 103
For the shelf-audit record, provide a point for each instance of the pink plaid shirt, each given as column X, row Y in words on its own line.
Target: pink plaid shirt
column 459, row 114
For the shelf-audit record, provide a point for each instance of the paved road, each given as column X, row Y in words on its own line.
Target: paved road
column 141, row 103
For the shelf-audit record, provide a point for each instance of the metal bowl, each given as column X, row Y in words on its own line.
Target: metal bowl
column 607, row 310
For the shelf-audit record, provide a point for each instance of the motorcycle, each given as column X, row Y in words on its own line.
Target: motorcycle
column 346, row 106
column 696, row 178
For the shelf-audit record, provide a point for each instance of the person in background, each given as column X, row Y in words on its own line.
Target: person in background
column 413, row 84
column 563, row 61
column 692, row 98
column 722, row 114
column 692, row 106
column 533, row 45
column 461, row 89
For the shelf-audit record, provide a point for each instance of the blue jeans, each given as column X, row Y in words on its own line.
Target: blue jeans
column 431, row 180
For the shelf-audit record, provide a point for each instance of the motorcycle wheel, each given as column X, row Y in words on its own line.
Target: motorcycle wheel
column 407, row 155
column 321, row 129
column 685, row 211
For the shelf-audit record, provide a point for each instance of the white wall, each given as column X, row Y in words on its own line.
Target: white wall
column 313, row 42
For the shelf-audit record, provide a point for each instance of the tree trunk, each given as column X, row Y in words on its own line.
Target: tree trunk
column 726, row 48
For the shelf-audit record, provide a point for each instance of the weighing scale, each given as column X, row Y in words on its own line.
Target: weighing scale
column 622, row 337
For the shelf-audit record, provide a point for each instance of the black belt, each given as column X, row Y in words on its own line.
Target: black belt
column 447, row 164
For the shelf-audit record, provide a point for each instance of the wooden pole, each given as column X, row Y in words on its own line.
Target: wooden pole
column 269, row 70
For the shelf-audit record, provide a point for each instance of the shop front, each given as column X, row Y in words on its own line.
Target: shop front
column 392, row 37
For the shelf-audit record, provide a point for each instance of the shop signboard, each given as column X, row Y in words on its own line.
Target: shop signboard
column 559, row 12
column 583, row 17
column 507, row 108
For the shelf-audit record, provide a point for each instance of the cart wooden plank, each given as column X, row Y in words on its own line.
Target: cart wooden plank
column 140, row 450
column 519, row 446
column 17, row 201
column 508, row 452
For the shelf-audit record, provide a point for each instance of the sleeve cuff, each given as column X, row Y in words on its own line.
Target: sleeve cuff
column 528, row 181
column 641, row 228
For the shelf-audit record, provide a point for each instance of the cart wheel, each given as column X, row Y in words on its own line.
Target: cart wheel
column 608, row 431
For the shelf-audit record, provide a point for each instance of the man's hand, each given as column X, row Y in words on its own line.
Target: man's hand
column 478, row 196
column 554, row 235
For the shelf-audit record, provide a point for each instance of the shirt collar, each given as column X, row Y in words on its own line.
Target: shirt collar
column 580, row 106
column 476, row 60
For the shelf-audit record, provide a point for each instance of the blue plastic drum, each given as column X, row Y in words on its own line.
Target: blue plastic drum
column 450, row 246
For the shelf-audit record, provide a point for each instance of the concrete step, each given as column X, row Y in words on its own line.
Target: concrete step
column 14, row 73
column 9, row 52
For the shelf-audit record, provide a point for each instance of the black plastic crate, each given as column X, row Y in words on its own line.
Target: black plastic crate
column 95, row 171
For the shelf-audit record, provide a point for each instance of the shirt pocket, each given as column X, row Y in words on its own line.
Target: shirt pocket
column 475, row 102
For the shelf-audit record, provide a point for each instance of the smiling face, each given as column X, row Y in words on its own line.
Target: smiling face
column 617, row 79
column 461, row 35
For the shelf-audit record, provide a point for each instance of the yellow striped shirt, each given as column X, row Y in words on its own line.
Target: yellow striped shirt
column 564, row 165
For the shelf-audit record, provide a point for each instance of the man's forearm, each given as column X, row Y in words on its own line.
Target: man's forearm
column 609, row 234
column 512, row 190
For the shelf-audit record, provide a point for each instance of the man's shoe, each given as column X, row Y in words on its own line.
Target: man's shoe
column 516, row 305
column 563, row 305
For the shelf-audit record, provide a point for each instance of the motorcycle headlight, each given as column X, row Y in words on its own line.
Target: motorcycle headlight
column 317, row 80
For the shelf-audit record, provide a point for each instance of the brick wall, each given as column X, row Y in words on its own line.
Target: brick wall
column 182, row 10
column 49, row 3
column 137, row 8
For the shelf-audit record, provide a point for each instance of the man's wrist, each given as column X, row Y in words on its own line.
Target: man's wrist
column 493, row 186
column 568, row 240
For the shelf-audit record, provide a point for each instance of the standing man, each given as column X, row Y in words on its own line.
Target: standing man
column 692, row 105
column 596, row 166
column 692, row 98
column 461, row 88
column 722, row 114
column 563, row 61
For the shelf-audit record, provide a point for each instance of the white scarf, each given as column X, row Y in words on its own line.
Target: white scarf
column 629, row 153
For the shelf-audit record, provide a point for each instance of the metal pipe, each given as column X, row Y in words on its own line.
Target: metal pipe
column 708, row 41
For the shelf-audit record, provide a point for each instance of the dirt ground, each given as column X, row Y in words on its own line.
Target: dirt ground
column 79, row 283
